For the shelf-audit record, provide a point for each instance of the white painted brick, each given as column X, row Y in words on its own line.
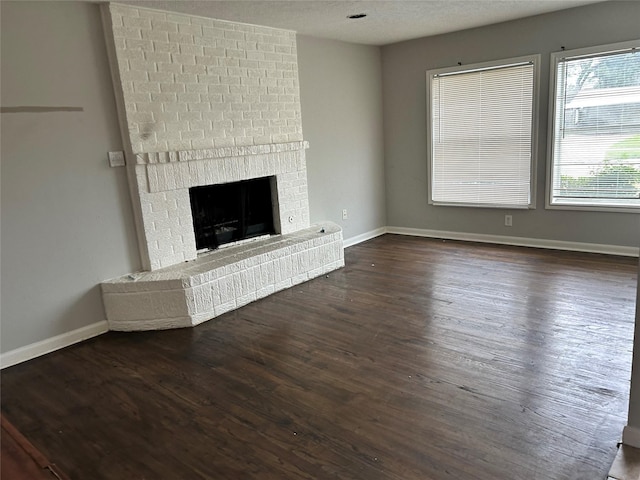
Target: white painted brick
column 234, row 35
column 226, row 290
column 201, row 173
column 136, row 22
column 183, row 59
column 265, row 292
column 246, row 299
column 202, row 21
column 180, row 38
column 156, row 57
column 171, row 88
column 189, row 29
column 227, row 307
column 134, row 75
column 149, row 305
column 206, row 42
column 267, row 274
column 206, row 142
column 146, row 87
column 170, row 176
column 192, row 134
column 197, row 106
column 180, row 19
column 214, row 286
column 235, row 53
column 243, row 283
column 287, row 283
column 227, row 43
column 126, row 32
column 230, row 62
column 214, row 51
column 163, row 99
column 200, row 300
column 152, row 14
column 119, row 9
column 301, row 278
column 196, row 88
column 213, row 32
column 265, row 47
column 247, row 47
column 275, row 57
column 137, row 44
column 199, row 70
column 168, row 67
column 207, row 59
column 161, row 25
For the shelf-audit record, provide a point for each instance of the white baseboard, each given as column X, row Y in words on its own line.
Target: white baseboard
column 519, row 241
column 349, row 242
column 631, row 436
column 49, row 345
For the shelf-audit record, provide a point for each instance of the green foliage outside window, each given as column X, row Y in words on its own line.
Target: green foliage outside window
column 614, row 179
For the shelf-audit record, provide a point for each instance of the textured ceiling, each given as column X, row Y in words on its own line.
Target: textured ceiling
column 386, row 21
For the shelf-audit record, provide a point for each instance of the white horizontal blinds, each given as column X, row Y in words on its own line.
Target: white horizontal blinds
column 482, row 129
column 596, row 145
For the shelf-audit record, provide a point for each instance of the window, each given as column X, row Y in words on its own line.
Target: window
column 594, row 128
column 482, row 134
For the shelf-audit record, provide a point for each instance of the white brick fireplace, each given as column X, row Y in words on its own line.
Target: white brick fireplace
column 164, row 180
column 206, row 102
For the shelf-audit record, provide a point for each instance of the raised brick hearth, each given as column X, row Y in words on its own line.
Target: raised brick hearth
column 185, row 295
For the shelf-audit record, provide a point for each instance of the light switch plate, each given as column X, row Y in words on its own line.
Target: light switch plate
column 116, row 159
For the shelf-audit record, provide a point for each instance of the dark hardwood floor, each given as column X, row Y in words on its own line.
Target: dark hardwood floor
column 421, row 359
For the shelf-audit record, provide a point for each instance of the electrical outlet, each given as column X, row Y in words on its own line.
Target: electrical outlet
column 345, row 215
column 508, row 221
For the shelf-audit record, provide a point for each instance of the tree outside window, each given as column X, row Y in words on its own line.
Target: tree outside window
column 596, row 142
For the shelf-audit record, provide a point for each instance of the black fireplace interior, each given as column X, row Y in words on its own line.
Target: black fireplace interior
column 230, row 212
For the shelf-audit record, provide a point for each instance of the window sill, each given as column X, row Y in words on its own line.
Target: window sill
column 592, row 208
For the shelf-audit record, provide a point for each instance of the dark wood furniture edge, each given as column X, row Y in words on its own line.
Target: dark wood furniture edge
column 38, row 458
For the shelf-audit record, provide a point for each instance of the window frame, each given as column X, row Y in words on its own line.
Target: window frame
column 534, row 59
column 555, row 58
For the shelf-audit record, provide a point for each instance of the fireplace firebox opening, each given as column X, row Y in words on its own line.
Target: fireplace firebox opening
column 229, row 212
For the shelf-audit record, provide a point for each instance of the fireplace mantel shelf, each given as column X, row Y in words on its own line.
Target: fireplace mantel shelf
column 221, row 152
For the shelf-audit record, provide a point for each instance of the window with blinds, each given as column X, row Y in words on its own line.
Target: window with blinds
column 595, row 128
column 482, row 134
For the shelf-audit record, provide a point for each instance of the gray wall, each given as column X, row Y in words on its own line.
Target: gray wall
column 634, row 397
column 341, row 96
column 66, row 215
column 404, row 66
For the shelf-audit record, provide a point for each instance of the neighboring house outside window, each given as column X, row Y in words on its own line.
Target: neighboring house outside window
column 482, row 122
column 594, row 128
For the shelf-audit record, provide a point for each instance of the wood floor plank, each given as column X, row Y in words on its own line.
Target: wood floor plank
column 421, row 359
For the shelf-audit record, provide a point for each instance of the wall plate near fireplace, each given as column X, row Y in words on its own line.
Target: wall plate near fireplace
column 116, row 159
